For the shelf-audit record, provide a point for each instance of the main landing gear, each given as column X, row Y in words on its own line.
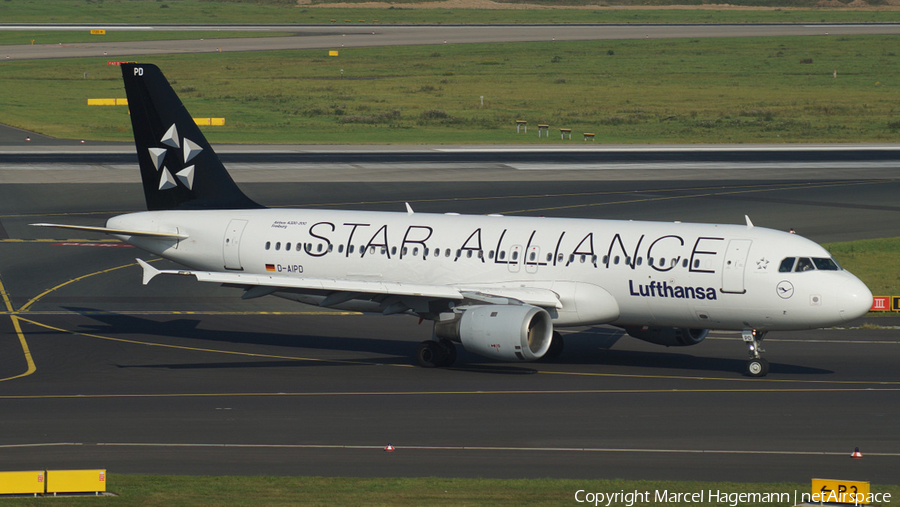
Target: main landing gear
column 756, row 366
column 435, row 354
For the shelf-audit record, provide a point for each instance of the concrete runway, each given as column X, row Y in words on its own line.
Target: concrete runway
column 336, row 37
column 181, row 377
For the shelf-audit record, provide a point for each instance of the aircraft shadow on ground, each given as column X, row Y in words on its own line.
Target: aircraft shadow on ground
column 591, row 347
column 594, row 346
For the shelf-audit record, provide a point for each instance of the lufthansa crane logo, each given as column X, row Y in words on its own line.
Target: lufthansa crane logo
column 784, row 289
column 158, row 156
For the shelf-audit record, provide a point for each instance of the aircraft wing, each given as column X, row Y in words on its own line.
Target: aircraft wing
column 271, row 283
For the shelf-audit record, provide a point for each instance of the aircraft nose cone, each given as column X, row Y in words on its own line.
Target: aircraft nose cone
column 854, row 299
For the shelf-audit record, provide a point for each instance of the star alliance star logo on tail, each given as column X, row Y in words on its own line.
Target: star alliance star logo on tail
column 158, row 156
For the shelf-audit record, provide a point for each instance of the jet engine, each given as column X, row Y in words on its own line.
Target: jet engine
column 504, row 332
column 668, row 336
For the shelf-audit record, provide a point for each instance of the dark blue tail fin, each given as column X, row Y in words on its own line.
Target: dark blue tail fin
column 178, row 166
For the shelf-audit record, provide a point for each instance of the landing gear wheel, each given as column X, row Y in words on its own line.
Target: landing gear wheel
column 430, row 354
column 757, row 367
column 557, row 345
column 449, row 352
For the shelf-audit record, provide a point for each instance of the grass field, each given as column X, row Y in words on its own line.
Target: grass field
column 874, row 261
column 233, row 491
column 197, row 11
column 69, row 36
column 644, row 91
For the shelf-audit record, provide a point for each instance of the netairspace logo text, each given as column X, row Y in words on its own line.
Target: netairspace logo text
column 629, row 498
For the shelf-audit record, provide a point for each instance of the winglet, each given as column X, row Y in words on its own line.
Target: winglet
column 749, row 223
column 409, row 210
column 149, row 271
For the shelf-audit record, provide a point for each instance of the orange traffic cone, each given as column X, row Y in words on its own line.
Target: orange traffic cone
column 856, row 454
column 390, row 448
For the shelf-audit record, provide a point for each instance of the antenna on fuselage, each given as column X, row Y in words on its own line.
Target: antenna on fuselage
column 749, row 223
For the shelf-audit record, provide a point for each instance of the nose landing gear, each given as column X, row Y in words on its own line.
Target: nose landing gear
column 756, row 366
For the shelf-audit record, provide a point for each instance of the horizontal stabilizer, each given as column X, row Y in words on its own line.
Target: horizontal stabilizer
column 119, row 232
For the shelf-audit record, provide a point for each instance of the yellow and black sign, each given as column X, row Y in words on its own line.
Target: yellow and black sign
column 98, row 32
column 837, row 491
column 332, row 53
column 895, row 303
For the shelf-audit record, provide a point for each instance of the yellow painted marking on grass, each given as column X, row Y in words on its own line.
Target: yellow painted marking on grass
column 198, row 349
column 15, row 322
column 693, row 196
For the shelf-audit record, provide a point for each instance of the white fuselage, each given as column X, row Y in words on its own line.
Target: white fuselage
column 658, row 273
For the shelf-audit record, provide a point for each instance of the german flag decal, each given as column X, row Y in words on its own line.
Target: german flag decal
column 270, row 267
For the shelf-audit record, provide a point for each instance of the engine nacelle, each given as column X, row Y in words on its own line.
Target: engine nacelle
column 668, row 336
column 504, row 332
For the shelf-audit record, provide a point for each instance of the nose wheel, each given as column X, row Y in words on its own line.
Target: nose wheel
column 756, row 366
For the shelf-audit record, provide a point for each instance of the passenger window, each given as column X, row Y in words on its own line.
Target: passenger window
column 278, row 246
column 627, row 260
column 532, row 256
column 372, row 250
column 425, row 252
column 825, row 264
column 394, row 250
column 583, row 258
column 594, row 259
column 549, row 257
column 502, row 255
column 515, row 255
column 616, row 259
column 287, row 246
column 559, row 258
column 786, row 265
column 299, row 247
column 804, row 264
column 415, row 251
column 605, row 259
column 491, row 254
column 350, row 249
column 340, row 248
column 649, row 261
column 469, row 254
column 330, row 248
column 268, row 245
column 684, row 263
column 447, row 252
column 639, row 261
column 319, row 247
column 696, row 263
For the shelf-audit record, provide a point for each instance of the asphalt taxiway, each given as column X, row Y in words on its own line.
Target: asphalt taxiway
column 337, row 37
column 186, row 378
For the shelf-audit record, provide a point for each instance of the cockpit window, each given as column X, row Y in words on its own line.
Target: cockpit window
column 804, row 264
column 786, row 265
column 825, row 264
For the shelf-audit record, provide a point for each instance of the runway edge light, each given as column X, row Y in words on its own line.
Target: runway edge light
column 389, row 448
column 856, row 454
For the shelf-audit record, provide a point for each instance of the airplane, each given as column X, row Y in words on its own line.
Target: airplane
column 500, row 286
